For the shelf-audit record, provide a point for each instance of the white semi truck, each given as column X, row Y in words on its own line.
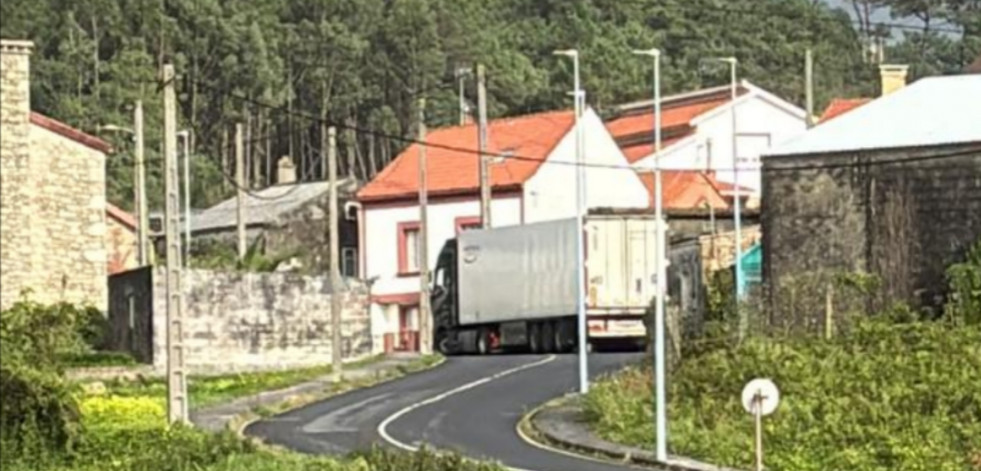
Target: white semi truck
column 515, row 287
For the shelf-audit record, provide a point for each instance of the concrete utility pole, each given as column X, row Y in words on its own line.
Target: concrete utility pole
column 737, row 213
column 661, row 269
column 143, row 219
column 425, row 316
column 809, row 83
column 485, row 185
column 335, row 270
column 176, row 381
column 240, row 190
column 580, row 210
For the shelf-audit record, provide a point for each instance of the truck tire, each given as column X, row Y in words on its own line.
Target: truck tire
column 534, row 338
column 548, row 337
column 483, row 342
column 561, row 344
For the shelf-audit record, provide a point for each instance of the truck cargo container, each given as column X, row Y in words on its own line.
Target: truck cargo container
column 515, row 287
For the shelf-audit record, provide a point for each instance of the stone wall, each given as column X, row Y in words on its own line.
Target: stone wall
column 255, row 321
column 121, row 245
column 69, row 220
column 903, row 215
column 52, row 229
column 15, row 185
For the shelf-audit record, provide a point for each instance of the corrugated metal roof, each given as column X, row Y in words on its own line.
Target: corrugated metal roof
column 930, row 111
column 266, row 206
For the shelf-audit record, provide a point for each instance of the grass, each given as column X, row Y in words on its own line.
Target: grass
column 882, row 397
column 211, row 390
column 97, row 359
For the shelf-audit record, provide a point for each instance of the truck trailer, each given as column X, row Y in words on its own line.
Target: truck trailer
column 515, row 287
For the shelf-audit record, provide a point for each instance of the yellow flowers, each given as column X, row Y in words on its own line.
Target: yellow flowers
column 123, row 412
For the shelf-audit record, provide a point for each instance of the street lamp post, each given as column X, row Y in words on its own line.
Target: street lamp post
column 580, row 208
column 660, row 268
column 139, row 184
column 737, row 216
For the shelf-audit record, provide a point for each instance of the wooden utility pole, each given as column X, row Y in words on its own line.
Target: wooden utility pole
column 425, row 316
column 240, row 190
column 829, row 312
column 335, row 251
column 485, row 187
column 809, row 83
column 141, row 204
column 176, row 381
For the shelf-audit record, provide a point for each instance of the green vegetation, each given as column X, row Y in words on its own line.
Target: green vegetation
column 48, row 424
column 365, row 62
column 208, row 390
column 964, row 304
column 883, row 396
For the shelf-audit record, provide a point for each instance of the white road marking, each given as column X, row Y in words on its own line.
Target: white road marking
column 382, row 427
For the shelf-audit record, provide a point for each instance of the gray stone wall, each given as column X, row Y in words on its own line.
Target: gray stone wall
column 903, row 215
column 253, row 321
column 15, row 185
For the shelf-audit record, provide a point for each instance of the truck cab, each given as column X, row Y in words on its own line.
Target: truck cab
column 443, row 298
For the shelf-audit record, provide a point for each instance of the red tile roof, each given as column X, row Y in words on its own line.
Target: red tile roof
column 120, row 215
column 633, row 130
column 840, row 106
column 637, row 152
column 726, row 188
column 685, row 189
column 453, row 172
column 65, row 130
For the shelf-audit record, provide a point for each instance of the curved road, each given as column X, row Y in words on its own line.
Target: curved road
column 477, row 420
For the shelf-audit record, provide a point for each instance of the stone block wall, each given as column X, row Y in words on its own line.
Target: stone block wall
column 251, row 321
column 52, row 199
column 69, row 220
column 903, row 215
column 15, row 186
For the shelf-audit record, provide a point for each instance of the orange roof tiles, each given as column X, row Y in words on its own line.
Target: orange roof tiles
column 685, row 189
column 670, row 117
column 531, row 138
column 840, row 106
column 120, row 215
column 636, row 152
column 65, row 130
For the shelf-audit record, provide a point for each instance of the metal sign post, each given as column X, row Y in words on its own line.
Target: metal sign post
column 760, row 397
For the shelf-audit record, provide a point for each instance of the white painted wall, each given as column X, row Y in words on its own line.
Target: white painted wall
column 381, row 236
column 551, row 192
column 760, row 124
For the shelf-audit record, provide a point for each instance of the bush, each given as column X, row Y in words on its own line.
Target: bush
column 879, row 397
column 964, row 280
column 38, row 414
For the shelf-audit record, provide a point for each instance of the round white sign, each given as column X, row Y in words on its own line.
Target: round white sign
column 762, row 393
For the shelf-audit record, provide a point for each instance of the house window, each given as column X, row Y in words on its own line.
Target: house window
column 467, row 223
column 409, row 262
column 349, row 262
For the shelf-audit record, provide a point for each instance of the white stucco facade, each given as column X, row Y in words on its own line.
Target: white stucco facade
column 762, row 122
column 548, row 194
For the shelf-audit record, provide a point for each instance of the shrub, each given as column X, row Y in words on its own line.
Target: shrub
column 881, row 396
column 964, row 280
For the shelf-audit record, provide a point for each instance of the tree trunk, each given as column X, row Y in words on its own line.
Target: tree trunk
column 224, row 159
column 349, row 123
column 371, row 158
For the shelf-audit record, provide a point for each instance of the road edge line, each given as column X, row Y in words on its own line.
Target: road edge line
column 439, row 397
column 526, row 421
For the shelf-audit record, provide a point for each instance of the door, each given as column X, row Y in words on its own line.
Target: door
column 639, row 261
column 407, row 339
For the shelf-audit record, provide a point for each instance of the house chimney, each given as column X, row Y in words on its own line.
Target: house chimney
column 893, row 77
column 286, row 171
column 16, row 189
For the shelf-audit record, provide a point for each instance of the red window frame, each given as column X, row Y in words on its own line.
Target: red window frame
column 403, row 229
column 466, row 221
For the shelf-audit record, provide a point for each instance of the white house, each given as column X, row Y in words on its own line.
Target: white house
column 531, row 181
column 696, row 131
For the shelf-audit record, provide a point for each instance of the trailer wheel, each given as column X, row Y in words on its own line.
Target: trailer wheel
column 443, row 343
column 483, row 342
column 534, row 338
column 561, row 345
column 548, row 337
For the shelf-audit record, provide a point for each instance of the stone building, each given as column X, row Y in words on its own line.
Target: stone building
column 286, row 218
column 52, row 198
column 892, row 188
column 121, row 240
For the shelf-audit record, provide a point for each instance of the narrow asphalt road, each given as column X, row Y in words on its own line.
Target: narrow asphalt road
column 479, row 421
